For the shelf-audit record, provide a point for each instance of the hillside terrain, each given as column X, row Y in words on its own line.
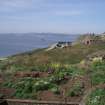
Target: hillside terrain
column 73, row 73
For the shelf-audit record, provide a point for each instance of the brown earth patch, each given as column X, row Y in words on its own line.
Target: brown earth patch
column 49, row 96
column 31, row 74
column 7, row 92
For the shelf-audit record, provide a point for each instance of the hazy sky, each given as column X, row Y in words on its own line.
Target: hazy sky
column 62, row 16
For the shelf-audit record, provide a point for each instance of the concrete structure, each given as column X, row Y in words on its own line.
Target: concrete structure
column 34, row 102
column 63, row 44
column 60, row 45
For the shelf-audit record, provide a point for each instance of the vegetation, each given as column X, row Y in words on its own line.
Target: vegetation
column 57, row 69
column 41, row 59
column 97, row 97
column 77, row 90
column 25, row 87
column 98, row 73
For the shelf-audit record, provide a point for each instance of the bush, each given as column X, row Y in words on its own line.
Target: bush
column 98, row 78
column 28, row 87
column 76, row 90
column 8, row 84
column 97, row 97
column 75, row 71
column 98, row 63
column 98, row 73
column 2, row 66
column 55, row 90
column 41, row 85
column 1, row 96
column 18, row 67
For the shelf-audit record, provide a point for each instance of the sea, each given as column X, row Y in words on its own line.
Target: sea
column 14, row 43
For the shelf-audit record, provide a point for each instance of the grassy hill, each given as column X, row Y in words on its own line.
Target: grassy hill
column 69, row 55
column 43, row 60
column 58, row 73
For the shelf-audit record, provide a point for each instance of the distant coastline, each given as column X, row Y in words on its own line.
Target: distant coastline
column 13, row 43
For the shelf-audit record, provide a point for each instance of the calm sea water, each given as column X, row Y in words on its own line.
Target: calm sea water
column 16, row 43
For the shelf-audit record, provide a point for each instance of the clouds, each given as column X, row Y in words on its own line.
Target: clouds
column 51, row 15
column 69, row 13
column 56, row 8
column 11, row 5
column 39, row 7
column 14, row 3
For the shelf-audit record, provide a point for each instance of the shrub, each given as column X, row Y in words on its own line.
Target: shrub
column 98, row 73
column 97, row 97
column 1, row 96
column 28, row 87
column 2, row 66
column 41, row 85
column 75, row 71
column 98, row 65
column 76, row 90
column 55, row 65
column 18, row 67
column 55, row 89
column 98, row 78
column 8, row 84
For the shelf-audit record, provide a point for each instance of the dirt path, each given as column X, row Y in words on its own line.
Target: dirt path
column 88, row 89
column 87, row 93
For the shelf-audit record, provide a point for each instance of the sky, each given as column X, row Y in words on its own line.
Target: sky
column 57, row 16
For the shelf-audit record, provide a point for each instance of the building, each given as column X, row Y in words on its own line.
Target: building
column 63, row 44
column 88, row 40
column 60, row 45
column 91, row 39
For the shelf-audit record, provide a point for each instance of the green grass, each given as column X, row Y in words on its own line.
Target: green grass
column 27, row 88
column 62, row 61
column 41, row 59
column 98, row 73
column 76, row 90
column 97, row 97
column 28, row 85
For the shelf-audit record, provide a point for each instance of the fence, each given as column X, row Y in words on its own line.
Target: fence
column 33, row 102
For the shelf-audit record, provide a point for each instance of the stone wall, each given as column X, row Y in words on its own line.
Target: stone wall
column 31, row 102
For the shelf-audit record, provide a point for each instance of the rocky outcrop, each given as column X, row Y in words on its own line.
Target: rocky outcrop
column 100, row 55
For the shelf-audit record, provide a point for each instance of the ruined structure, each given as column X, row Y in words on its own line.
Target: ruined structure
column 90, row 39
